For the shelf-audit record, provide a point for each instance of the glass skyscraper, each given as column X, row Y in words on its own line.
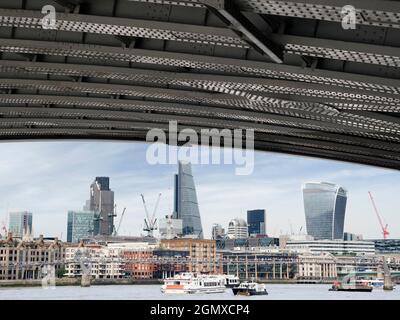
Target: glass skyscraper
column 80, row 225
column 20, row 223
column 102, row 202
column 256, row 222
column 185, row 202
column 325, row 208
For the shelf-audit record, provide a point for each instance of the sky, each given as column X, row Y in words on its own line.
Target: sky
column 50, row 178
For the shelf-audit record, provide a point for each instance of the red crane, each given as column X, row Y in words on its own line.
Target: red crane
column 384, row 228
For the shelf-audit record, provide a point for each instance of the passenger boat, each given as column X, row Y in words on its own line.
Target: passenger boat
column 356, row 285
column 193, row 283
column 377, row 283
column 250, row 289
column 230, row 280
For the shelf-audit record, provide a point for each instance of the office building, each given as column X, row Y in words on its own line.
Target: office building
column 324, row 207
column 284, row 238
column 217, row 232
column 391, row 246
column 102, row 203
column 86, row 206
column 80, row 225
column 170, row 228
column 338, row 247
column 256, row 222
column 185, row 202
column 237, row 229
column 20, row 223
column 259, row 265
column 352, row 236
column 245, row 243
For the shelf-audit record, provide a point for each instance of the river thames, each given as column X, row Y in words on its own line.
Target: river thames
column 143, row 292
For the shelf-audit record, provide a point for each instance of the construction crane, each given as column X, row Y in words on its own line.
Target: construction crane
column 111, row 217
column 384, row 228
column 150, row 221
column 291, row 227
column 119, row 223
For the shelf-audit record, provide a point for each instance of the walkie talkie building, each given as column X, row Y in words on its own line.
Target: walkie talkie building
column 325, row 208
column 185, row 202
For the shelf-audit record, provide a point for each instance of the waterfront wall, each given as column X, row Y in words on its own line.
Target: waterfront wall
column 77, row 282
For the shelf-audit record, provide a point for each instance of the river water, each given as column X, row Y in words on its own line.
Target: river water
column 143, row 292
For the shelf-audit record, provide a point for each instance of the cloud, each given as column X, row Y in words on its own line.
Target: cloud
column 50, row 178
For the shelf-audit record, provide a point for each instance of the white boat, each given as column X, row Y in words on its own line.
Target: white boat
column 376, row 283
column 250, row 289
column 193, row 283
column 230, row 280
column 352, row 285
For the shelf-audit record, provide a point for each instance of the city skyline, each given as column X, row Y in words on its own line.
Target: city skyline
column 221, row 195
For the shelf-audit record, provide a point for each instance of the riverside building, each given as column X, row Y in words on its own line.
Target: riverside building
column 339, row 247
column 23, row 259
column 202, row 253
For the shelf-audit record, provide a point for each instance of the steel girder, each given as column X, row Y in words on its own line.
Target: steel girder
column 305, row 46
column 124, row 27
column 373, row 12
column 325, row 97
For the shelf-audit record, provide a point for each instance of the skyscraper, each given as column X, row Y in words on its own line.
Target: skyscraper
column 324, row 207
column 102, row 203
column 237, row 229
column 185, row 202
column 217, row 232
column 80, row 225
column 20, row 223
column 256, row 222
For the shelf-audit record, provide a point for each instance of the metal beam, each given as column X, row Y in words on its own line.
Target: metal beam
column 257, row 120
column 125, row 27
column 272, row 46
column 62, row 133
column 140, row 122
column 228, row 12
column 163, row 112
column 340, row 50
column 205, row 63
column 252, row 88
column 234, row 114
column 380, row 13
column 201, row 98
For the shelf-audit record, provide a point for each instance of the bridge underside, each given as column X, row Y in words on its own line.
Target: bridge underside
column 113, row 69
